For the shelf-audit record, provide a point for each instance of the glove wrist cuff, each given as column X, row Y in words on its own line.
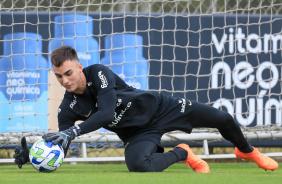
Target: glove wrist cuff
column 76, row 130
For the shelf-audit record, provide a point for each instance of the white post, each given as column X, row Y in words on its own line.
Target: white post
column 206, row 147
column 83, row 150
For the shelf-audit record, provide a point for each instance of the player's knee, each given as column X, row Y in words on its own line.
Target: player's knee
column 228, row 120
column 140, row 165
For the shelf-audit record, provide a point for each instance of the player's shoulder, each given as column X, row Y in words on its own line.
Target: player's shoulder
column 94, row 67
column 97, row 70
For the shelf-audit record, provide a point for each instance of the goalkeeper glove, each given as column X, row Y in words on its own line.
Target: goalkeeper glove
column 63, row 137
column 21, row 154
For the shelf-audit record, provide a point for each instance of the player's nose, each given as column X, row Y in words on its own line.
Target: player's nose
column 65, row 80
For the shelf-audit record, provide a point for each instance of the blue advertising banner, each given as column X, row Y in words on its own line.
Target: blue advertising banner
column 245, row 70
column 24, row 84
column 232, row 62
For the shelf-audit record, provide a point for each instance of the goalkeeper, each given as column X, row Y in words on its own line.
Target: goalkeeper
column 100, row 98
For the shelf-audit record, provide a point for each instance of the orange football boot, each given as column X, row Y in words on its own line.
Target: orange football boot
column 262, row 161
column 193, row 161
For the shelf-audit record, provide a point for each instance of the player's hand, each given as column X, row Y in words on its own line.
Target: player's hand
column 21, row 154
column 63, row 137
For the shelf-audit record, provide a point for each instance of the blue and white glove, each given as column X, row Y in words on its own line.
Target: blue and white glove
column 63, row 137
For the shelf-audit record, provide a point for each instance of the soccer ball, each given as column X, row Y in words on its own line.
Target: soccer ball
column 46, row 157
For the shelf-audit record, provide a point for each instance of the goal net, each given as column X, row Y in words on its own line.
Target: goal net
column 225, row 53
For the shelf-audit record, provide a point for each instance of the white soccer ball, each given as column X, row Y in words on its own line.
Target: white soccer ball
column 46, row 157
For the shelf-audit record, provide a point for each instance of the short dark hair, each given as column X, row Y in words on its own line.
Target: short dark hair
column 62, row 54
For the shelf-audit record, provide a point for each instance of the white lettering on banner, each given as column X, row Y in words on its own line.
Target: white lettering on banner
column 132, row 83
column 225, row 67
column 244, row 75
column 23, row 90
column 84, row 56
column 136, row 85
column 23, row 74
column 23, row 108
column 253, row 37
column 16, row 83
column 253, row 104
column 243, row 70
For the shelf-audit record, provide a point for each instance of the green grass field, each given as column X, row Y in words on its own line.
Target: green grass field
column 230, row 173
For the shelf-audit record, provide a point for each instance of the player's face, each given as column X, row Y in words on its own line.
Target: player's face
column 70, row 75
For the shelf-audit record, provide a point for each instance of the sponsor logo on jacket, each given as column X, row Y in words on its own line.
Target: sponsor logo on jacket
column 73, row 102
column 183, row 104
column 103, row 80
column 117, row 117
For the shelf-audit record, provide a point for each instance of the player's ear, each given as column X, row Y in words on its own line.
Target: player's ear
column 80, row 66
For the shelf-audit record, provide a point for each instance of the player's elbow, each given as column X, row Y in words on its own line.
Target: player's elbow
column 108, row 116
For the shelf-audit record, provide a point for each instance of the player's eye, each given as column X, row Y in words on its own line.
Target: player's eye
column 68, row 73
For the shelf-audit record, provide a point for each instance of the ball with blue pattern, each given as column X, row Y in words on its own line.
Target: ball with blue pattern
column 46, row 157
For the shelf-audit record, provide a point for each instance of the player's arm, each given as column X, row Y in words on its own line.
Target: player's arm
column 67, row 129
column 22, row 153
column 63, row 126
column 104, row 115
column 104, row 84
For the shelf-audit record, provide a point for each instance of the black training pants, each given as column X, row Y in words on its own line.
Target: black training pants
column 142, row 156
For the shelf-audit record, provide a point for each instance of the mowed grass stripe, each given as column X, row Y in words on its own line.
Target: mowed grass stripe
column 117, row 173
